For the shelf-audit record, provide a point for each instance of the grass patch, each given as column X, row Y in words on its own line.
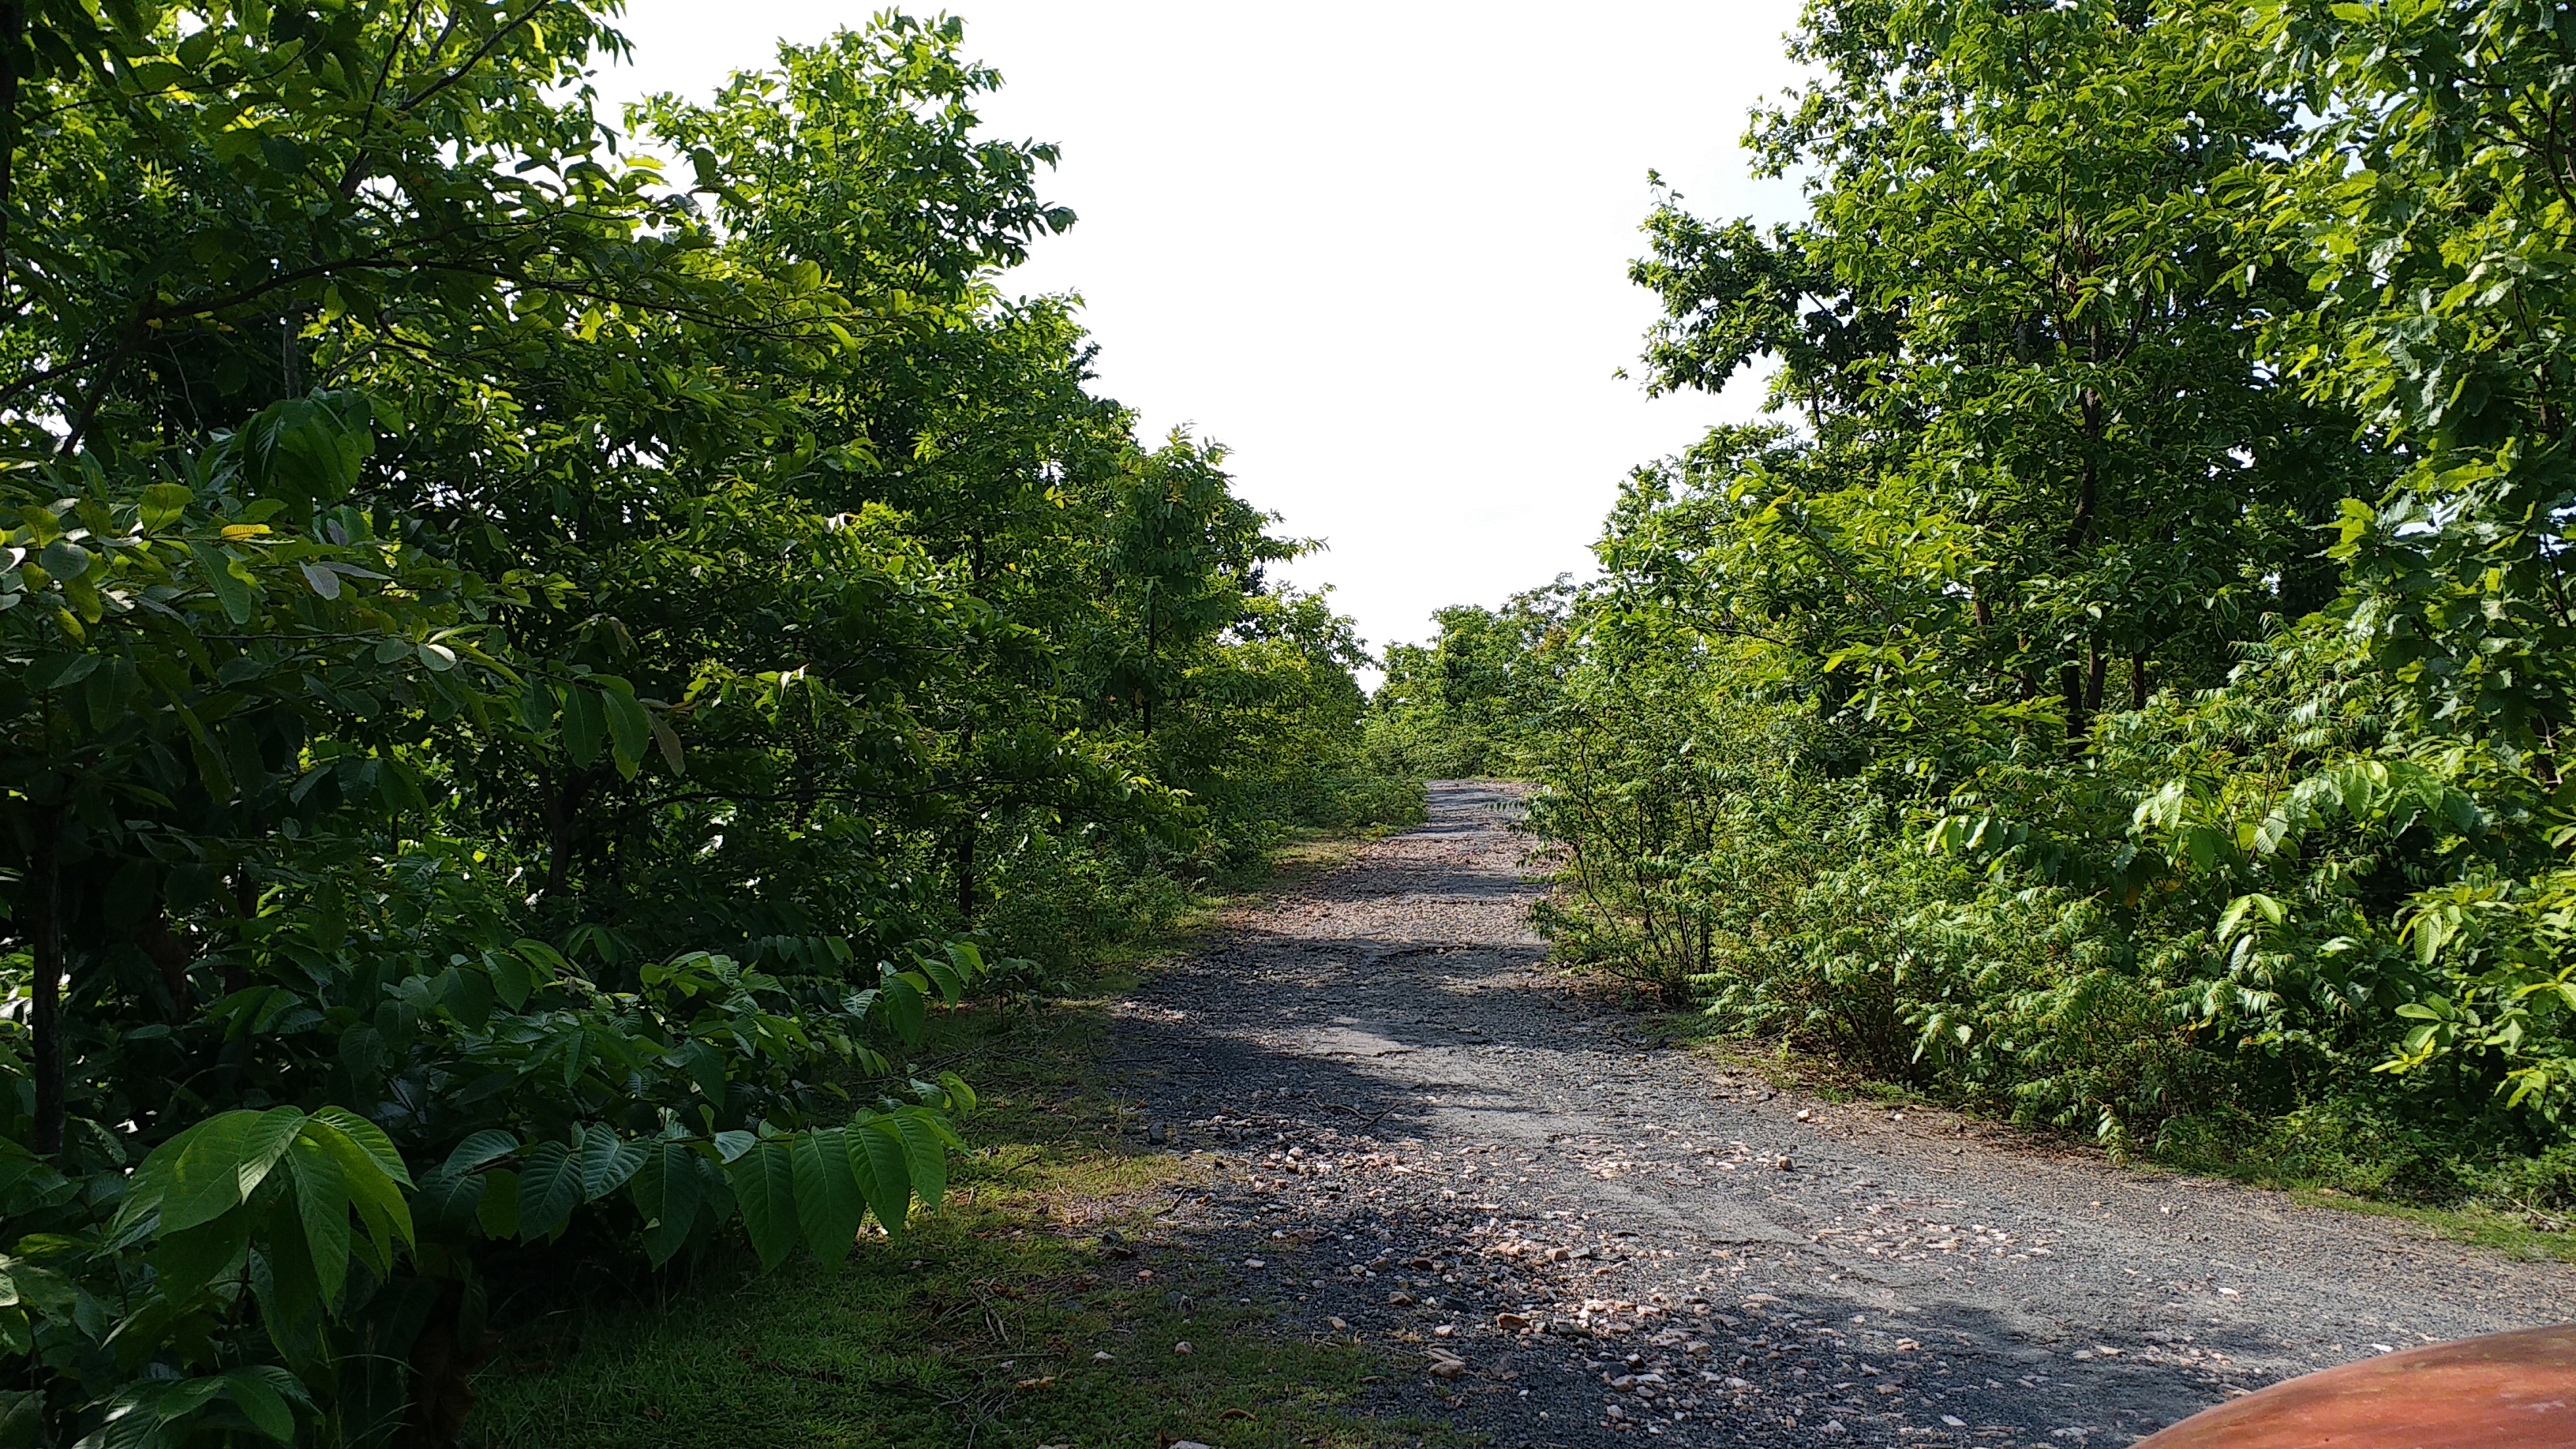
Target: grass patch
column 980, row 1326
column 2476, row 1224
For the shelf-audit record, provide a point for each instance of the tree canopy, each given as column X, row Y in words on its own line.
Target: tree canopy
column 2122, row 682
column 525, row 677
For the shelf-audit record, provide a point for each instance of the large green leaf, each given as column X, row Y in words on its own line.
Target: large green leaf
column 585, row 724
column 882, row 1163
column 368, row 1138
column 497, row 1210
column 764, row 1190
column 164, row 504
column 372, row 1173
column 903, row 1006
column 666, row 1190
column 480, row 1150
column 549, row 1189
column 630, row 730
column 829, row 1201
column 200, row 1174
column 231, row 589
column 924, row 1150
column 322, row 1207
column 261, row 1395
column 606, row 1161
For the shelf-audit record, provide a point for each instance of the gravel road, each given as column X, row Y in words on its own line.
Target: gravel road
column 1422, row 1139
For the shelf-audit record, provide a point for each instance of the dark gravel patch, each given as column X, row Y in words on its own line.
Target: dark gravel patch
column 1427, row 1142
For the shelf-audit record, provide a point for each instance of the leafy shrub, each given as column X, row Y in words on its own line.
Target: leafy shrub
column 2129, row 696
column 522, row 687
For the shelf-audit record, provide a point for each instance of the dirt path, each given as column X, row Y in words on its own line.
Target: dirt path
column 1588, row 1237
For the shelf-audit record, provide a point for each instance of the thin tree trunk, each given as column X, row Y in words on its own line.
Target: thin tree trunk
column 562, row 814
column 2088, row 489
column 45, row 940
column 236, row 970
column 13, row 45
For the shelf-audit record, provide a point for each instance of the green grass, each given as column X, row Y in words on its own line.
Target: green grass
column 981, row 1325
column 2477, row 1225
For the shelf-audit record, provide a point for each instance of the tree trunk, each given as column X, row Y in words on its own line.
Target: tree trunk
column 2088, row 487
column 966, row 872
column 45, row 943
column 562, row 811
column 13, row 44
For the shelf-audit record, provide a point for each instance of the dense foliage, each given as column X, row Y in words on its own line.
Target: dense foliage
column 2124, row 684
column 523, row 682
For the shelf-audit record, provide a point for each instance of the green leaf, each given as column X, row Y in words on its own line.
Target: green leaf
column 549, row 1189
column 606, row 1162
column 467, row 996
column 479, row 1151
column 585, row 724
column 881, row 1160
column 764, row 1188
column 666, row 1190
column 829, row 1201
column 668, row 741
column 705, row 1066
column 630, row 730
column 60, row 671
column 230, row 590
column 207, row 1170
column 192, row 1259
column 322, row 1206
column 368, row 1138
column 447, row 1202
column 545, row 960
column 212, row 771
column 165, row 504
column 925, row 1153
column 261, row 1403
column 65, row 560
column 904, row 1008
column 952, row 987
column 375, row 1189
column 512, row 981
column 497, row 1212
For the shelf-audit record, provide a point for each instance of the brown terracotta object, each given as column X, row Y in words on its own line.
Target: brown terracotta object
column 2503, row 1391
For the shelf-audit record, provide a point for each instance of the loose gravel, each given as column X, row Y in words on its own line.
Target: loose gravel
column 1423, row 1139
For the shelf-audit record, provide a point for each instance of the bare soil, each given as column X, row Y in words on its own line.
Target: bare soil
column 1573, row 1235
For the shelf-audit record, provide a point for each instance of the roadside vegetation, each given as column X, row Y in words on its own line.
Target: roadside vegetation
column 534, row 681
column 2120, row 686
column 987, row 1321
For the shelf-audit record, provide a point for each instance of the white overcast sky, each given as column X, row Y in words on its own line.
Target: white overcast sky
column 1378, row 250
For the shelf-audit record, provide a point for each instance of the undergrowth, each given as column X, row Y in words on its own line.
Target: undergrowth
column 985, row 1322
